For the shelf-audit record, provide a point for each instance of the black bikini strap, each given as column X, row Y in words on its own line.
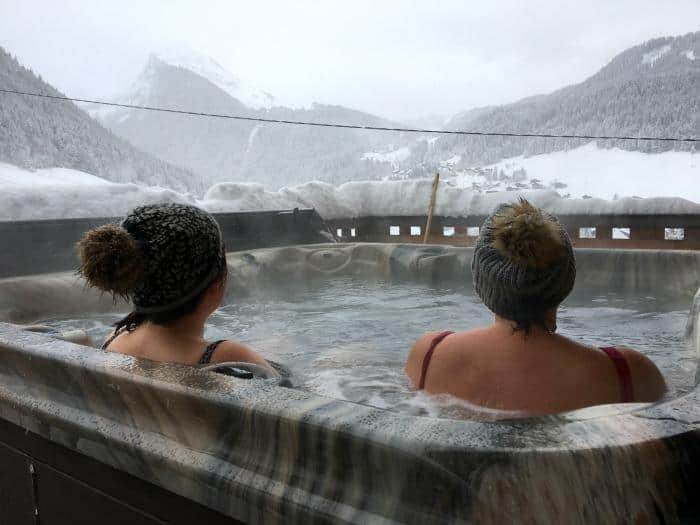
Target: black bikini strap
column 209, row 351
column 111, row 338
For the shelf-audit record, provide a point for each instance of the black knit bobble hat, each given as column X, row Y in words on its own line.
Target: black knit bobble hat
column 161, row 256
column 183, row 252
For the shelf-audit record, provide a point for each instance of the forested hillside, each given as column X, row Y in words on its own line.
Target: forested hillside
column 648, row 90
column 43, row 133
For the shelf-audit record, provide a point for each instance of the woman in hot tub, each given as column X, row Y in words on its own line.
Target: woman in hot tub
column 523, row 268
column 169, row 259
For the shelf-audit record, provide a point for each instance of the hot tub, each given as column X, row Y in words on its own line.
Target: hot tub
column 350, row 442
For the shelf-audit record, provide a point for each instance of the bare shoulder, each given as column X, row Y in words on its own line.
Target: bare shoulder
column 424, row 341
column 118, row 342
column 414, row 363
column 648, row 383
column 229, row 351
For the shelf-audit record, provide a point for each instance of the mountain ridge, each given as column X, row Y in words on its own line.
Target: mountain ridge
column 649, row 89
column 223, row 150
column 646, row 90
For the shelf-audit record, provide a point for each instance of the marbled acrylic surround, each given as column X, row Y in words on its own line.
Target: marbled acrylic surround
column 263, row 453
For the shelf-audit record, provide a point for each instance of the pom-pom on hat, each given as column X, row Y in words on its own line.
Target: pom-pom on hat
column 160, row 256
column 523, row 262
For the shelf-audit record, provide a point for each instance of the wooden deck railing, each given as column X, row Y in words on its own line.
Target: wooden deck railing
column 41, row 246
column 666, row 232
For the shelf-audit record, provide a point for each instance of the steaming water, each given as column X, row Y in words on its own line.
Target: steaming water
column 348, row 339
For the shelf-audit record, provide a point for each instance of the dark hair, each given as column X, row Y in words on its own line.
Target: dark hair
column 525, row 325
column 134, row 319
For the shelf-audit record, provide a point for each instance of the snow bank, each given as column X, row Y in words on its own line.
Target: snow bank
column 11, row 175
column 411, row 197
column 242, row 196
column 61, row 193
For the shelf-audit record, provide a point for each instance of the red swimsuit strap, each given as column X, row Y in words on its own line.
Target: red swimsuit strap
column 623, row 373
column 426, row 360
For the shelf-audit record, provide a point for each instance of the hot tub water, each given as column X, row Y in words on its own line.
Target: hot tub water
column 348, row 338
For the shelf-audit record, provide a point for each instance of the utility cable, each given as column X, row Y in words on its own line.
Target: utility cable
column 350, row 126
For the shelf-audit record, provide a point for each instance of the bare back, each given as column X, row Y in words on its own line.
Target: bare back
column 154, row 343
column 539, row 373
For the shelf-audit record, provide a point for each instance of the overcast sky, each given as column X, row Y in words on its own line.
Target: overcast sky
column 400, row 59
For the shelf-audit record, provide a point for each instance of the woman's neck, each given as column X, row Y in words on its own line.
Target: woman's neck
column 549, row 325
column 188, row 328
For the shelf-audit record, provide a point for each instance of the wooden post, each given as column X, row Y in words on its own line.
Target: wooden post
column 431, row 207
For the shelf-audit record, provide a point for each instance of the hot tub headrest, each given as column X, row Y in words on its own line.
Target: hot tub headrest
column 242, row 370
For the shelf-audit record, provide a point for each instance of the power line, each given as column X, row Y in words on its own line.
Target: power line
column 350, row 126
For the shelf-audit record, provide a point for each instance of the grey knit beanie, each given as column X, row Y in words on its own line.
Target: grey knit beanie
column 523, row 262
column 161, row 256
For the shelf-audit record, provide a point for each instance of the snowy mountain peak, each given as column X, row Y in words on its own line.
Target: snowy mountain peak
column 143, row 88
column 211, row 70
column 137, row 95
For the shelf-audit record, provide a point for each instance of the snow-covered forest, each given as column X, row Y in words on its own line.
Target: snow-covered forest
column 41, row 133
column 649, row 90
